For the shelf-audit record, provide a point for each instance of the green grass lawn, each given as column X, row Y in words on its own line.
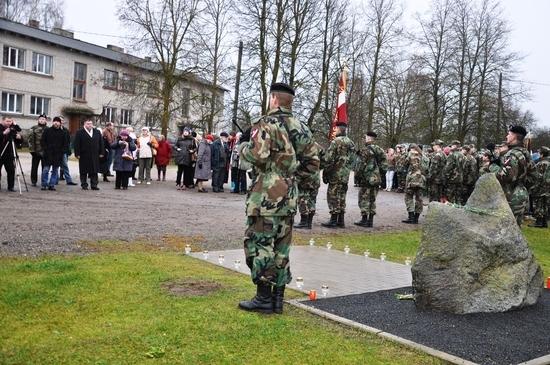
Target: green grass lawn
column 111, row 308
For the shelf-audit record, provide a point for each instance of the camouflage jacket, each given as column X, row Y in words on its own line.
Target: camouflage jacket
column 271, row 152
column 415, row 178
column 470, row 170
column 454, row 166
column 437, row 165
column 338, row 160
column 371, row 163
column 542, row 187
column 35, row 137
column 400, row 163
column 513, row 170
column 307, row 152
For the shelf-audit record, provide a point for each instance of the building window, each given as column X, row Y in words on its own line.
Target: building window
column 40, row 105
column 127, row 83
column 41, row 64
column 153, row 88
column 14, row 57
column 126, row 116
column 11, row 103
column 109, row 114
column 185, row 102
column 111, row 79
column 150, row 119
column 79, row 83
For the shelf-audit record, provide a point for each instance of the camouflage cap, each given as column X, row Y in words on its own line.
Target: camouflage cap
column 455, row 142
column 437, row 142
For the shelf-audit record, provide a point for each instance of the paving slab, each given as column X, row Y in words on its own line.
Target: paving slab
column 344, row 274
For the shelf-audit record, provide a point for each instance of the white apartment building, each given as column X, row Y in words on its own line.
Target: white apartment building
column 54, row 74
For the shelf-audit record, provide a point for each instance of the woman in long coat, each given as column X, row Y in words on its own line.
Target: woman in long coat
column 185, row 152
column 162, row 159
column 123, row 162
column 203, row 168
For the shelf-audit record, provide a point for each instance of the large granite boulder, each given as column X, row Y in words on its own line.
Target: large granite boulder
column 474, row 258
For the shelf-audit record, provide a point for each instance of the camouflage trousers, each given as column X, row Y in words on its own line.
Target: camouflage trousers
column 454, row 193
column 466, row 192
column 336, row 197
column 307, row 199
column 267, row 247
column 413, row 200
column 519, row 201
column 541, row 204
column 401, row 180
column 367, row 199
column 436, row 191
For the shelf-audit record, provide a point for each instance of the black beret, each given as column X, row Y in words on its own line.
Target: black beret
column 341, row 124
column 57, row 119
column 224, row 134
column 518, row 130
column 43, row 116
column 372, row 134
column 281, row 87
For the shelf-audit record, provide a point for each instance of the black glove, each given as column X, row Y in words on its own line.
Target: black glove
column 149, row 144
column 200, row 165
column 245, row 137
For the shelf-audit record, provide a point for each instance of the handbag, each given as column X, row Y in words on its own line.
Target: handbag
column 127, row 154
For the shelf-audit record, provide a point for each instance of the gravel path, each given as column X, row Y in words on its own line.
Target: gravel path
column 45, row 222
column 491, row 338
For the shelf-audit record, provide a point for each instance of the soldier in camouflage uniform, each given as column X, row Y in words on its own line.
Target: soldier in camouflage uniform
column 435, row 178
column 416, row 182
column 307, row 193
column 541, row 191
column 371, row 165
column 400, row 168
column 338, row 162
column 453, row 174
column 470, row 173
column 281, row 150
column 513, row 171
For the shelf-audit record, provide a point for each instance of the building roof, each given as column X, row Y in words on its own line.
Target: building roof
column 87, row 48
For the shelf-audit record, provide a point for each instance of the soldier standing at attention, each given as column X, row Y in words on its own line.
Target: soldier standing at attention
column 513, row 172
column 338, row 161
column 541, row 190
column 416, row 182
column 371, row 163
column 281, row 150
column 453, row 173
column 470, row 173
column 308, row 189
column 435, row 174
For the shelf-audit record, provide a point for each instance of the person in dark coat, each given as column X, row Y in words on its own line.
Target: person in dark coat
column 203, row 170
column 9, row 134
column 88, row 149
column 54, row 145
column 162, row 159
column 219, row 162
column 123, row 161
column 185, row 153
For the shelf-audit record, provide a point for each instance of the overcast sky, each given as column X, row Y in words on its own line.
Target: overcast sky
column 529, row 20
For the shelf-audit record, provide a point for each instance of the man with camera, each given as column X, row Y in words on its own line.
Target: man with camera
column 10, row 138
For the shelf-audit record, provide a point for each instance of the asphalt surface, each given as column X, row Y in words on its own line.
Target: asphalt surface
column 484, row 338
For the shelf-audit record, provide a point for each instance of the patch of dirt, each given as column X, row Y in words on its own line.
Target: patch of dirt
column 191, row 288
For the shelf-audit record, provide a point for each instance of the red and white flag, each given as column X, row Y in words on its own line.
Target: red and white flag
column 341, row 114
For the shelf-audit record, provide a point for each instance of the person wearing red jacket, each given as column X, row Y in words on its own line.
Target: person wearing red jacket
column 162, row 159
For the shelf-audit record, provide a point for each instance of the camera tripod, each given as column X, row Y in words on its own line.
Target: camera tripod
column 16, row 162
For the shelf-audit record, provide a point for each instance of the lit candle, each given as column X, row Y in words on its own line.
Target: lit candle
column 299, row 282
column 324, row 290
column 367, row 254
column 221, row 259
column 346, row 249
column 408, row 261
column 205, row 254
column 382, row 256
column 312, row 294
column 329, row 245
column 237, row 264
column 187, row 249
column 312, row 241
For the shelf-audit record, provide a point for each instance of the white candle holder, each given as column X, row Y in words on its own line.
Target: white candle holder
column 367, row 254
column 324, row 290
column 205, row 254
column 329, row 245
column 346, row 250
column 237, row 264
column 408, row 261
column 382, row 256
column 312, row 241
column 187, row 249
column 221, row 259
column 299, row 282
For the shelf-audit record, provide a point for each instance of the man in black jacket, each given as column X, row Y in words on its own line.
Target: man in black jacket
column 65, row 174
column 219, row 159
column 9, row 138
column 35, row 148
column 54, row 145
column 88, row 148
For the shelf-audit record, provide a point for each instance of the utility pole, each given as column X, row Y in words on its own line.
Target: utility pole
column 237, row 86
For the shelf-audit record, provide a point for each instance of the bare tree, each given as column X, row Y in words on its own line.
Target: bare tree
column 163, row 27
column 49, row 13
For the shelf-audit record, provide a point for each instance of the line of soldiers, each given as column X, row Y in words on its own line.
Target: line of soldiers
column 431, row 172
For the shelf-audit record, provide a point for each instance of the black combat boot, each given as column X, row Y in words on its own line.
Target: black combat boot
column 277, row 298
column 340, row 221
column 409, row 220
column 332, row 223
column 416, row 216
column 364, row 222
column 303, row 221
column 371, row 218
column 310, row 220
column 261, row 302
column 539, row 223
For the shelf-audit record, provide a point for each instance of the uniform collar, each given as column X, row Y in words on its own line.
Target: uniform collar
column 279, row 110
